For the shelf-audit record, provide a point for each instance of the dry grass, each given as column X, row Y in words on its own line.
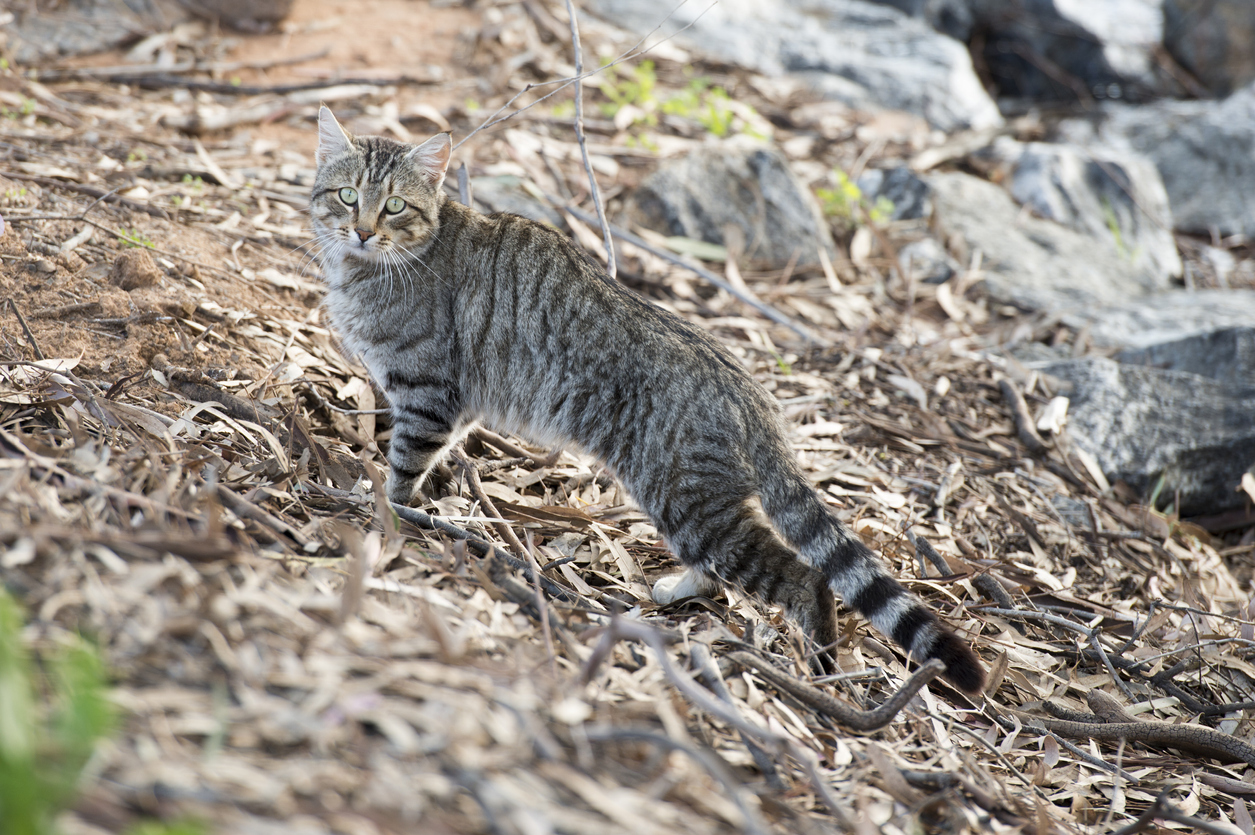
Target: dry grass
column 179, row 480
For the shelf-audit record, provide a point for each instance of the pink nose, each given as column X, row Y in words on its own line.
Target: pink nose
column 364, row 234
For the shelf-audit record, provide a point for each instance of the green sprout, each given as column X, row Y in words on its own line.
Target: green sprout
column 132, row 237
column 846, row 202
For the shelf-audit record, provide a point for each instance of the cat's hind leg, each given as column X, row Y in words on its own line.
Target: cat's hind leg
column 738, row 547
column 691, row 582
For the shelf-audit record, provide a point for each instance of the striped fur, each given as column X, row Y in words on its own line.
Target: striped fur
column 464, row 318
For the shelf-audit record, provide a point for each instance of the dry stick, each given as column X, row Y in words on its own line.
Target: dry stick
column 715, row 767
column 1023, row 421
column 464, row 186
column 30, row 337
column 763, row 308
column 483, row 548
column 1161, row 809
column 90, row 191
column 859, row 720
column 477, row 489
column 708, row 672
column 611, row 267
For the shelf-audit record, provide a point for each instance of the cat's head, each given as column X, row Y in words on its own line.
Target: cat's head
column 375, row 197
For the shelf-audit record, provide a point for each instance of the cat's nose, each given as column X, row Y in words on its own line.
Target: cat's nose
column 364, row 234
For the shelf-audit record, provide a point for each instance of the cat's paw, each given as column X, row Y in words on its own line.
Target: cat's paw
column 402, row 491
column 688, row 583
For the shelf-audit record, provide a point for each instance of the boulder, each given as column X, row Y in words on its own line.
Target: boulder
column 1201, row 148
column 80, row 27
column 1116, row 198
column 699, row 195
column 1226, row 355
column 855, row 51
column 928, row 261
column 910, row 196
column 1054, row 50
column 1030, row 262
column 1214, row 40
column 1146, row 424
column 1164, row 317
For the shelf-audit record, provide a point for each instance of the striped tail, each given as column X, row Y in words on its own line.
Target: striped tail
column 858, row 576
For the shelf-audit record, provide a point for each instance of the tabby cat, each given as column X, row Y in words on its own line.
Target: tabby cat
column 462, row 317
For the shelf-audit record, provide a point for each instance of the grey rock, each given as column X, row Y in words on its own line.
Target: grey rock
column 1165, row 317
column 1033, row 263
column 80, row 27
column 1116, row 198
column 1055, row 49
column 928, row 261
column 1201, row 148
column 1144, row 424
column 505, row 194
column 949, row 17
column 858, row 52
column 1214, row 40
column 1226, row 355
column 715, row 186
column 910, row 195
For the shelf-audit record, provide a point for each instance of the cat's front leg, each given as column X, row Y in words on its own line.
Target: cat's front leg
column 423, row 430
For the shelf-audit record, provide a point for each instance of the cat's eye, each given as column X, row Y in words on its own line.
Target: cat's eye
column 348, row 195
column 394, row 205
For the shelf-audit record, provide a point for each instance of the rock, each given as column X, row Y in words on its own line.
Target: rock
column 133, row 269
column 1144, row 424
column 1165, row 317
column 697, row 196
column 855, row 51
column 1226, row 355
column 1214, row 40
column 504, row 193
column 1116, row 198
column 1201, row 148
column 248, row 15
column 1033, row 263
column 949, row 17
column 1054, row 50
column 80, row 27
column 910, row 196
column 928, row 261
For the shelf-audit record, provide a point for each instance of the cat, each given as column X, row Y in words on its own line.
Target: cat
column 464, row 318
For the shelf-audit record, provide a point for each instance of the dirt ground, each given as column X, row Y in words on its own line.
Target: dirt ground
column 186, row 465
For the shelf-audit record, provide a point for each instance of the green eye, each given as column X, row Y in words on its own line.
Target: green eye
column 394, row 205
column 348, row 195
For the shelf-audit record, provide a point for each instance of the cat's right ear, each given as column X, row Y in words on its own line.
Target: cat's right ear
column 333, row 140
column 432, row 158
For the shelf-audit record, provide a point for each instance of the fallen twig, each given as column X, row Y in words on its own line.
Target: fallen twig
column 611, row 267
column 1023, row 420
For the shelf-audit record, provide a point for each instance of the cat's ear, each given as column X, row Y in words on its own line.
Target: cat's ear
column 432, row 158
column 333, row 140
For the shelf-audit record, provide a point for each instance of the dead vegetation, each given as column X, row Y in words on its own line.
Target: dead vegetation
column 189, row 472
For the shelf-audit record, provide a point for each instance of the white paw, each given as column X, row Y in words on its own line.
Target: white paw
column 688, row 583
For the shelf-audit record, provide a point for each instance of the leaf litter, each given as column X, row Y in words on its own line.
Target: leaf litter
column 189, row 474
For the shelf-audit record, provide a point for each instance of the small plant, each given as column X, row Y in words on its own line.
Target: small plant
column 43, row 751
column 195, row 182
column 133, row 237
column 136, row 156
column 846, row 202
column 699, row 101
column 470, row 105
column 635, row 88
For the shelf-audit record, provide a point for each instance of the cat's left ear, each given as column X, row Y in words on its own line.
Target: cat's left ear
column 432, row 158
